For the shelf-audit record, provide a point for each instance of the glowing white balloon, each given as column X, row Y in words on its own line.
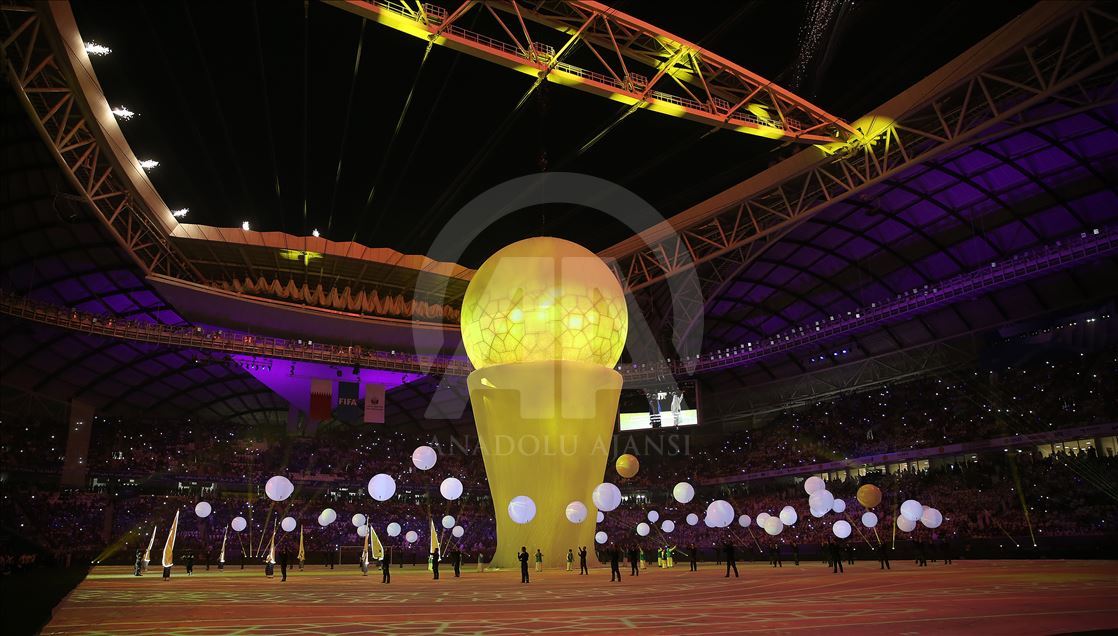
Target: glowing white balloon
column 931, row 518
column 203, row 509
column 841, row 529
column 839, row 505
column 238, row 524
column 774, row 526
column 411, row 537
column 819, row 512
column 327, row 517
column 451, row 488
column 762, row 518
column 601, row 516
column 279, row 488
column 382, row 487
column 813, row 484
column 600, row 537
column 869, row 519
column 607, row 497
column 576, row 512
column 821, row 500
column 522, row 509
column 667, row 526
column 288, row 524
column 448, row 522
column 692, row 519
column 643, row 529
column 683, row 492
column 721, row 513
column 653, row 516
column 424, row 457
column 911, row 510
column 394, row 529
column 744, row 521
column 363, row 531
column 357, row 520
column 788, row 516
column 905, row 524
column 458, row 531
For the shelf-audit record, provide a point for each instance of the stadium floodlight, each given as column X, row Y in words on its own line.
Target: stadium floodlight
column 123, row 113
column 93, row 48
column 148, row 164
column 179, row 213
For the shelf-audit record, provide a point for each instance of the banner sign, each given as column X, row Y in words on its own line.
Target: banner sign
column 374, row 403
column 349, row 409
column 321, row 394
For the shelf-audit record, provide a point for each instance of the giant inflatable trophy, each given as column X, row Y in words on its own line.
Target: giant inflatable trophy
column 544, row 322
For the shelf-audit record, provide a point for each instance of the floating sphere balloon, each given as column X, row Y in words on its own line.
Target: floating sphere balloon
column 279, row 488
column 457, row 532
column 627, row 466
column 813, row 484
column 721, row 513
column 683, row 492
column 576, row 512
column 238, row 524
column 709, row 522
column 819, row 512
column 821, row 500
column 643, row 529
column 607, row 497
column 839, row 505
column 869, row 495
column 667, row 526
column 203, row 509
column 288, row 524
column 424, row 457
column 744, row 521
column 911, row 510
column 761, row 519
column 448, row 522
column 394, row 529
column 653, row 516
column 382, row 487
column 601, row 516
column 774, row 526
column 357, row 520
column 451, row 488
column 931, row 518
column 522, row 509
column 412, row 536
column 869, row 519
column 788, row 516
column 600, row 537
column 327, row 517
column 905, row 524
column 363, row 531
column 841, row 529
column 692, row 519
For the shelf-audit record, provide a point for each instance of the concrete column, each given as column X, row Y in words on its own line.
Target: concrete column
column 79, row 429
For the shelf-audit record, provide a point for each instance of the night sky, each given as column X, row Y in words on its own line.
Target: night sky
column 248, row 108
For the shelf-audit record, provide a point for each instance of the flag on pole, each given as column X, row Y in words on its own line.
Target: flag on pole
column 221, row 557
column 377, row 548
column 321, row 395
column 147, row 553
column 349, row 407
column 169, row 547
column 434, row 539
column 302, row 555
column 365, row 550
column 374, row 404
column 271, row 558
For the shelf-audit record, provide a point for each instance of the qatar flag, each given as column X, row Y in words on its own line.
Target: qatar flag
column 321, row 396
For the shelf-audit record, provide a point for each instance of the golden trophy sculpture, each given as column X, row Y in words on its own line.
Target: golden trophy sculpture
column 544, row 322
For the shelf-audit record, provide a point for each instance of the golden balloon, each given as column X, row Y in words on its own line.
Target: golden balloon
column 627, row 465
column 869, row 496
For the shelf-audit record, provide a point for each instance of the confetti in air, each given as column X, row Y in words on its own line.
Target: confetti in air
column 94, row 48
column 820, row 14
